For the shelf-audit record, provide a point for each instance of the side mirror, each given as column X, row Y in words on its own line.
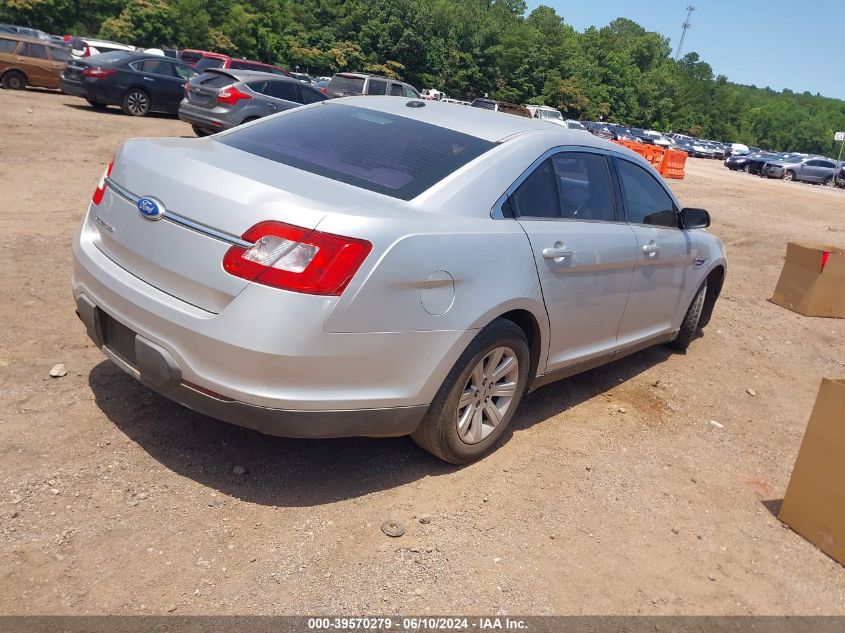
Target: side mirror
column 695, row 218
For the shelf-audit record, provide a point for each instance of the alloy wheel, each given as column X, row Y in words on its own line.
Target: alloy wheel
column 137, row 103
column 487, row 395
column 787, row 175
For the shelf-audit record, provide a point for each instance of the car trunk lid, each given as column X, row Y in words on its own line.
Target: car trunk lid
column 211, row 195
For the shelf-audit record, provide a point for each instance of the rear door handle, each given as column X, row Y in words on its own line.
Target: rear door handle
column 148, row 79
column 558, row 252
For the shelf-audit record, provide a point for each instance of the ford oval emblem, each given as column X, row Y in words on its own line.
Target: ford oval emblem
column 150, row 208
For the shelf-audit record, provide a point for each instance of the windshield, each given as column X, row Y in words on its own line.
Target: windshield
column 385, row 153
column 793, row 159
column 549, row 114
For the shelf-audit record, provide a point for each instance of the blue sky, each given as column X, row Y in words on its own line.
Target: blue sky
column 779, row 43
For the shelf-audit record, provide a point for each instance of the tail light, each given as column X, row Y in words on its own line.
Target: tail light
column 297, row 259
column 231, row 96
column 324, row 90
column 99, row 73
column 100, row 191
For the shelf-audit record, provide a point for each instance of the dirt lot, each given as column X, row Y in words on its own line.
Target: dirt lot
column 614, row 493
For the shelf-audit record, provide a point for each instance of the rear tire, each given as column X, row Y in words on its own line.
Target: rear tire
column 689, row 327
column 136, row 102
column 199, row 131
column 14, row 80
column 477, row 401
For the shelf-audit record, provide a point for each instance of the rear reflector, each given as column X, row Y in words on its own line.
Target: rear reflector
column 297, row 259
column 100, row 191
column 231, row 96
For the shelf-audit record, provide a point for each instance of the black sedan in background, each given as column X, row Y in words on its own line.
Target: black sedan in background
column 139, row 83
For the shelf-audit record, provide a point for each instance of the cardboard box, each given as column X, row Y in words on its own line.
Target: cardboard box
column 812, row 281
column 814, row 504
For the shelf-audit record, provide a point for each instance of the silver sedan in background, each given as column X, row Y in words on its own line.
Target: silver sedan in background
column 220, row 99
column 383, row 266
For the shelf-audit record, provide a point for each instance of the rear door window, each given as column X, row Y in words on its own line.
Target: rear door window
column 37, row 51
column 240, row 65
column 584, row 186
column 396, row 156
column 537, row 196
column 309, row 95
column 7, row 46
column 281, row 90
column 396, row 90
column 646, row 201
column 183, row 71
column 410, row 92
column 156, row 67
column 377, row 87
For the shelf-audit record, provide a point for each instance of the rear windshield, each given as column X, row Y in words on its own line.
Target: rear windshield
column 346, row 85
column 208, row 62
column 389, row 154
column 112, row 57
column 215, row 80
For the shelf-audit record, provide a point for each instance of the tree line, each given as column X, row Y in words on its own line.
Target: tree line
column 467, row 48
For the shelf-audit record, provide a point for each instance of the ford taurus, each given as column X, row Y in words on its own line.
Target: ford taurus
column 385, row 266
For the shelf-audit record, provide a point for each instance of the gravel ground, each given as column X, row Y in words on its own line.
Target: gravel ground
column 614, row 493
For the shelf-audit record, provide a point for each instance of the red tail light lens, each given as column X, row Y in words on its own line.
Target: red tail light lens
column 231, row 96
column 100, row 191
column 297, row 259
column 99, row 73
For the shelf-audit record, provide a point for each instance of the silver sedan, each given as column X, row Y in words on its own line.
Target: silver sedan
column 385, row 266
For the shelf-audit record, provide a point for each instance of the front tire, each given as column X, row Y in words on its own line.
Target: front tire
column 789, row 175
column 828, row 181
column 199, row 131
column 477, row 401
column 690, row 325
column 14, row 80
column 136, row 102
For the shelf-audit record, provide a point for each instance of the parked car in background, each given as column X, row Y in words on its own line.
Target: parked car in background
column 839, row 177
column 25, row 31
column 203, row 60
column 598, row 129
column 321, row 82
column 816, row 169
column 738, row 149
column 545, row 113
column 303, row 77
column 28, row 61
column 137, row 82
column 572, row 124
column 322, row 273
column 86, row 47
column 221, row 99
column 659, row 139
column 500, row 106
column 356, row 84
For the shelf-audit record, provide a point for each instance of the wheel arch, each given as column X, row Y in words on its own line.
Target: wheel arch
column 14, row 69
column 715, row 280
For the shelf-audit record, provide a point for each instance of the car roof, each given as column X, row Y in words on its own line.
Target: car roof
column 27, row 38
column 485, row 124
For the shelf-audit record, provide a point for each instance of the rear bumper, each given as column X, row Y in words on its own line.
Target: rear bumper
column 155, row 367
column 203, row 118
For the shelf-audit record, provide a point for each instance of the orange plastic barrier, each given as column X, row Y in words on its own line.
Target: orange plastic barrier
column 673, row 163
column 669, row 163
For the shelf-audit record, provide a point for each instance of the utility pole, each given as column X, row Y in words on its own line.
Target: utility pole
column 686, row 26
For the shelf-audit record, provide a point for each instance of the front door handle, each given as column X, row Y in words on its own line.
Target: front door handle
column 651, row 249
column 148, row 79
column 558, row 252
